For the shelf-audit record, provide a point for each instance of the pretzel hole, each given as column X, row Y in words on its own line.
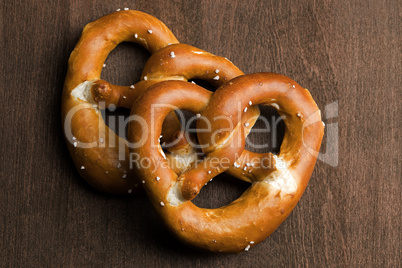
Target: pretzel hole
column 221, row 191
column 124, row 64
column 188, row 122
column 267, row 133
column 204, row 84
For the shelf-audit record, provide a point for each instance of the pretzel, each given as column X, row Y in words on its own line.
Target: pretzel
column 85, row 92
column 273, row 193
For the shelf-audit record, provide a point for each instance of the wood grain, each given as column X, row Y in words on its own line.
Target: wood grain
column 342, row 51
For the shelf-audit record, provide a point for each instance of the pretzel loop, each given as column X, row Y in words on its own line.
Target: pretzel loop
column 103, row 165
column 273, row 194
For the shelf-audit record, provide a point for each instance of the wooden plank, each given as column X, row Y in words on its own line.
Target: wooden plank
column 343, row 52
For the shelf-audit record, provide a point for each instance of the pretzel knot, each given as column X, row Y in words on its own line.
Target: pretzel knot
column 99, row 154
column 274, row 190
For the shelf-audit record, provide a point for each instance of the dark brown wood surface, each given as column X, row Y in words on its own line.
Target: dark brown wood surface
column 347, row 52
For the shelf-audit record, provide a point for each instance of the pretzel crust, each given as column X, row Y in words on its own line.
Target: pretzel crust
column 271, row 197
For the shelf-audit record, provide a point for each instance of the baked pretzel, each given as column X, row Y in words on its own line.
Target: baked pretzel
column 273, row 193
column 100, row 162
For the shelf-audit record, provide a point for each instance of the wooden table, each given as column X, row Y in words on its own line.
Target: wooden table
column 344, row 52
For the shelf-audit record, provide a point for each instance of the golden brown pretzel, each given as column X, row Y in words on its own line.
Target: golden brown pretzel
column 272, row 195
column 104, row 163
